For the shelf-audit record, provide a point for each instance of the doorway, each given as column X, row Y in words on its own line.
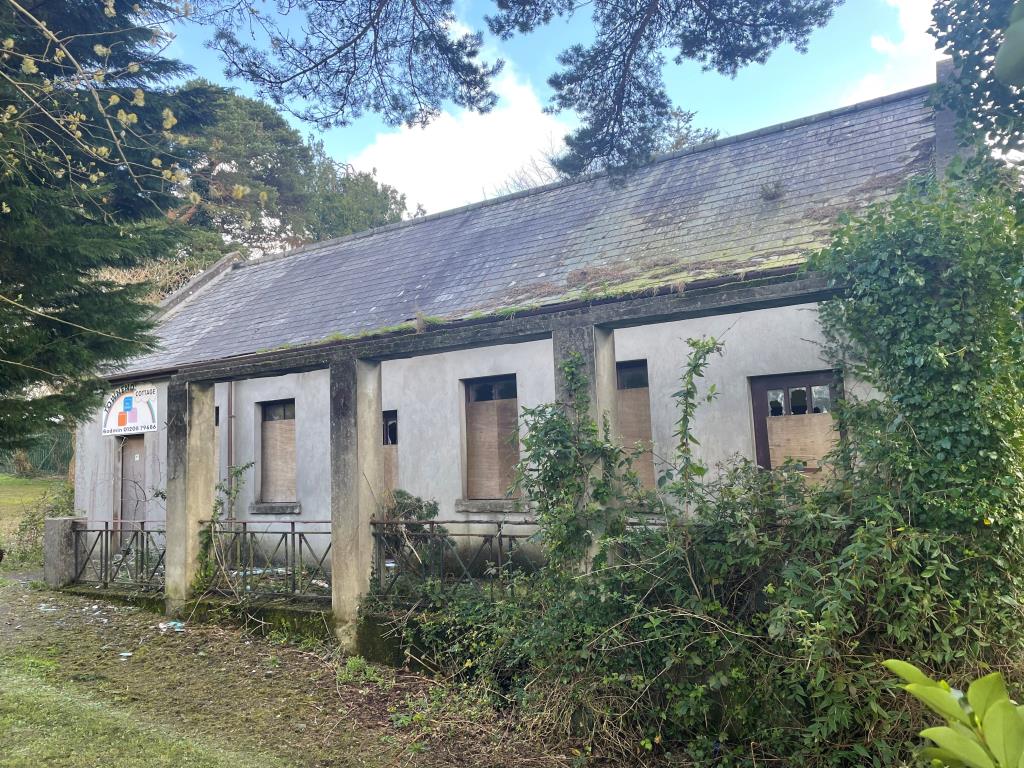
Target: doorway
column 133, row 485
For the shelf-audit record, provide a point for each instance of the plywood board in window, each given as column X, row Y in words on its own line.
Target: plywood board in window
column 390, row 457
column 634, row 425
column 278, row 461
column 806, row 438
column 492, row 447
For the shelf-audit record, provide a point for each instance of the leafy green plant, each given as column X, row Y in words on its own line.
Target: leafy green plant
column 744, row 622
column 578, row 478
column 26, row 545
column 227, row 491
column 984, row 727
column 358, row 671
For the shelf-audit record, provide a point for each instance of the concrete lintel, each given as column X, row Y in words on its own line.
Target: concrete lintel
column 59, row 550
column 457, row 335
column 191, row 482
column 356, row 485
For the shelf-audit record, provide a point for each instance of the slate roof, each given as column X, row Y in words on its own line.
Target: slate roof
column 750, row 202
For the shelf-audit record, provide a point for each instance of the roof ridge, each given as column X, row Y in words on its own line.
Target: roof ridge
column 535, row 191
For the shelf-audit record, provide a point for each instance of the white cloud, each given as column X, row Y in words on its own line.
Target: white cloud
column 908, row 61
column 464, row 156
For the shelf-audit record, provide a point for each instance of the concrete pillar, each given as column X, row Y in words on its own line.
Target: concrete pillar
column 59, row 550
column 596, row 347
column 191, row 483
column 356, row 485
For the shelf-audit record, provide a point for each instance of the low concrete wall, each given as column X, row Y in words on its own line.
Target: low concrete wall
column 59, row 550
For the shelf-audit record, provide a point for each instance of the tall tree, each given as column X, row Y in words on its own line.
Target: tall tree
column 252, row 184
column 263, row 187
column 990, row 111
column 329, row 60
column 89, row 158
column 249, row 175
column 344, row 201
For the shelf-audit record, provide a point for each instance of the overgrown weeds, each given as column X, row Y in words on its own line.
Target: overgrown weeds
column 739, row 616
column 25, row 546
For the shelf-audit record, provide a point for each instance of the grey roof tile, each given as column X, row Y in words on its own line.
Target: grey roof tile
column 695, row 214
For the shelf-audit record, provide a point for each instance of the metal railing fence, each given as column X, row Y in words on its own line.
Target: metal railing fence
column 448, row 554
column 246, row 558
column 120, row 554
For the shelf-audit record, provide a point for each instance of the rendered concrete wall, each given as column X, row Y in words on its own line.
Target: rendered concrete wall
column 98, row 466
column 311, row 392
column 191, row 477
column 355, row 448
column 59, row 550
column 760, row 343
column 428, row 394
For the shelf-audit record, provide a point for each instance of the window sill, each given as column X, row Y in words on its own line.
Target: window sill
column 275, row 508
column 488, row 506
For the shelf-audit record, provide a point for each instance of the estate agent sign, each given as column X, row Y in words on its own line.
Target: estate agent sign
column 130, row 410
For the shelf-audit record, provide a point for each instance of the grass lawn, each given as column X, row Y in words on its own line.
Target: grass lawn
column 86, row 683
column 18, row 494
column 45, row 724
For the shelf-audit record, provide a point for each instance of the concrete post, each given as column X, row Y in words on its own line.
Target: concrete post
column 59, row 550
column 191, row 483
column 596, row 347
column 356, row 485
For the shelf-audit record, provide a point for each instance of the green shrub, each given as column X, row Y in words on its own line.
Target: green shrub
column 743, row 620
column 358, row 671
column 26, row 546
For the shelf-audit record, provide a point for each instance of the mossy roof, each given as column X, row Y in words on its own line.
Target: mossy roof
column 745, row 203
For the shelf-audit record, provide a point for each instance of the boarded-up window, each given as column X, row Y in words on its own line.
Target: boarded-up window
column 634, row 415
column 793, row 418
column 390, row 437
column 492, row 436
column 277, row 459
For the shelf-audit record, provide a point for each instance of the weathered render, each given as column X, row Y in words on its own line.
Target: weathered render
column 706, row 242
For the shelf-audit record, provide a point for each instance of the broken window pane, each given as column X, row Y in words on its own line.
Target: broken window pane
column 821, row 399
column 505, row 388
column 798, row 401
column 390, row 427
column 278, row 410
column 481, row 391
column 805, row 441
column 632, row 374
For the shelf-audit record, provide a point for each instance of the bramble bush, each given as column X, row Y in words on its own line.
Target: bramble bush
column 739, row 617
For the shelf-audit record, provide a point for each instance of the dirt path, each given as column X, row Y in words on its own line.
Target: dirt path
column 211, row 688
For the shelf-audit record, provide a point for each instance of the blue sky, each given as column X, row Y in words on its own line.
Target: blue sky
column 870, row 48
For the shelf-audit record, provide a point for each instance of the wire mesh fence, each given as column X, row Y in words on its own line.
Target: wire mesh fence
column 49, row 454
